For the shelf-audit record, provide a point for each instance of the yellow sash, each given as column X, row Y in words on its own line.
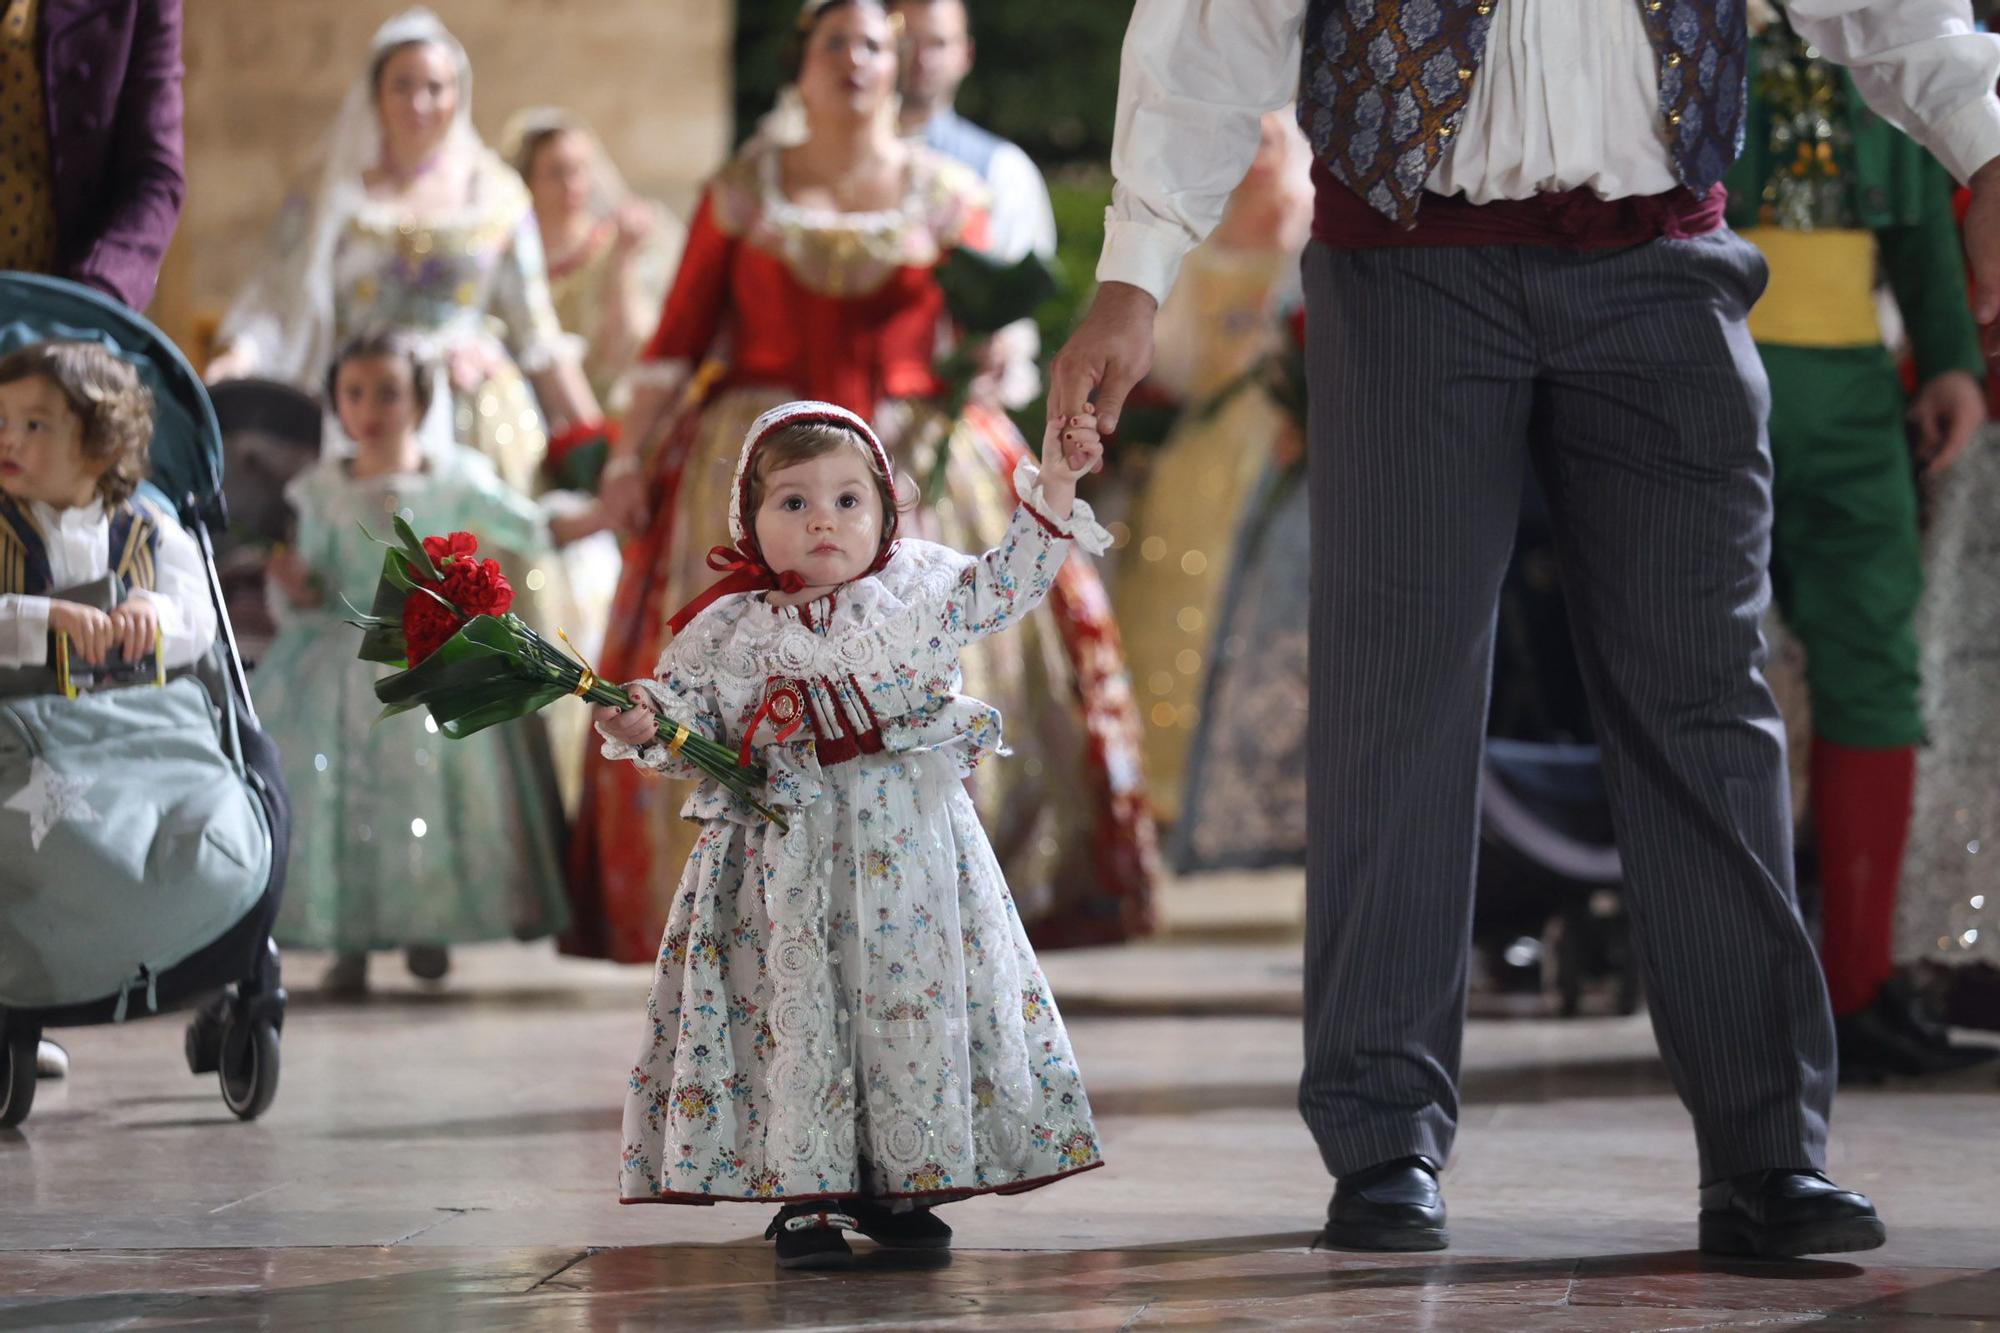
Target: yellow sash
column 1822, row 291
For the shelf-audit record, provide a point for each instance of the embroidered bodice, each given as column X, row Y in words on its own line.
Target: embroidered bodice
column 875, row 664
column 475, row 273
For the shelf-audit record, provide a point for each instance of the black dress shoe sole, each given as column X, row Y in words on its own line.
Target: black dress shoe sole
column 840, row 1257
column 892, row 1241
column 1399, row 1239
column 1725, row 1233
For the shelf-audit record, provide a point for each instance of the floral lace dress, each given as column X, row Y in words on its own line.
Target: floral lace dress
column 852, row 1006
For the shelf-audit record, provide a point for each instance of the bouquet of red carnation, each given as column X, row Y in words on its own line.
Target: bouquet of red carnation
column 444, row 615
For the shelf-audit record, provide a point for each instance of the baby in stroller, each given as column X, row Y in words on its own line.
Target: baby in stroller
column 143, row 830
column 75, row 423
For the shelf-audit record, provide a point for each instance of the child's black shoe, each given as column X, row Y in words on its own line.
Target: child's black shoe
column 913, row 1229
column 808, row 1236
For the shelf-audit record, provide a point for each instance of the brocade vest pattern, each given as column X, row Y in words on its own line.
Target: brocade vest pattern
column 1384, row 86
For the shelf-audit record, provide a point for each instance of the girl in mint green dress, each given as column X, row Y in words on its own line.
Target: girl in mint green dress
column 401, row 839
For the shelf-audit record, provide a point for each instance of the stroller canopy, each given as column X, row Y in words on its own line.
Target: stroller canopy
column 187, row 442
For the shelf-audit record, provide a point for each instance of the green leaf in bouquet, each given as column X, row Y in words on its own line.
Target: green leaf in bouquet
column 494, row 699
column 382, row 629
column 462, row 724
column 474, row 654
column 420, row 559
column 985, row 294
column 382, row 643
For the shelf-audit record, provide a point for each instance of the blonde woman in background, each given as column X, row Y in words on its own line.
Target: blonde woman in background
column 1218, row 321
column 610, row 254
column 410, row 221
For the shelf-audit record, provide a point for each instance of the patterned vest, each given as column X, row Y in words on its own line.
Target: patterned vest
column 1385, row 83
column 24, row 552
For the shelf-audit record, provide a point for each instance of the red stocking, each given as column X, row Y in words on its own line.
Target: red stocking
column 1861, row 812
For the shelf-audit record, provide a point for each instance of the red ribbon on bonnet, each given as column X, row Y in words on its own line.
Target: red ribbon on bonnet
column 742, row 571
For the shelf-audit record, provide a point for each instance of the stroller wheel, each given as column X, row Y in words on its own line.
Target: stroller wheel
column 17, row 1078
column 249, row 1072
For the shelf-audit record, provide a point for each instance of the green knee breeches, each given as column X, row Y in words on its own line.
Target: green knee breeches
column 1845, row 563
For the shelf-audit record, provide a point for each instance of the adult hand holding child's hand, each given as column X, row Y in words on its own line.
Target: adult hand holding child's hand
column 1071, row 448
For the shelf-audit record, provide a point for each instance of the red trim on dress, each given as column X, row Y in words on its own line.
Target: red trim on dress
column 1048, row 524
column 837, row 740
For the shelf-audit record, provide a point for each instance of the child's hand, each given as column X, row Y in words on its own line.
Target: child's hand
column 295, row 577
column 135, row 627
column 633, row 726
column 89, row 629
column 1071, row 448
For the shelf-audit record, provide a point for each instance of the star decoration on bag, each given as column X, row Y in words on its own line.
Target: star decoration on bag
column 50, row 798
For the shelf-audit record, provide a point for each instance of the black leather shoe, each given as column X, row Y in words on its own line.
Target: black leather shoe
column 1891, row 1036
column 808, row 1236
column 911, row 1229
column 1782, row 1214
column 1390, row 1206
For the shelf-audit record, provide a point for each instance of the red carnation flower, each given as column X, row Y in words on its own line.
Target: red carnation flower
column 477, row 587
column 427, row 624
column 458, row 545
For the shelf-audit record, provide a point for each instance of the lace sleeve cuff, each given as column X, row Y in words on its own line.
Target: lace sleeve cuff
column 654, row 753
column 1082, row 528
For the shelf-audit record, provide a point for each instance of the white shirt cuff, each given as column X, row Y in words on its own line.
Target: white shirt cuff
column 172, row 623
column 1969, row 137
column 1146, row 254
column 24, row 635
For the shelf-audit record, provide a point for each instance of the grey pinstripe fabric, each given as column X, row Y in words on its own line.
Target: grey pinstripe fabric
column 1628, row 379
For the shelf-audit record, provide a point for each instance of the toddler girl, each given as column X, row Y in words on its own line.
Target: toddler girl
column 401, row 839
column 847, row 1017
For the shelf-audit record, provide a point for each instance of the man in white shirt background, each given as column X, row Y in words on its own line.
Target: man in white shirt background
column 1519, row 260
column 938, row 57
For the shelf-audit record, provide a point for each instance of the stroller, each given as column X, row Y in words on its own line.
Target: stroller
column 170, row 901
column 270, row 434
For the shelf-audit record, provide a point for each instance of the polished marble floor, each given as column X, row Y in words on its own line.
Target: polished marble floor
column 443, row 1159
